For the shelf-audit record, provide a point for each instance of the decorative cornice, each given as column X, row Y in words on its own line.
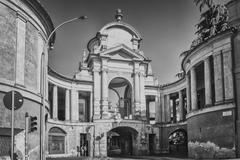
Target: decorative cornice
column 204, row 43
column 53, row 73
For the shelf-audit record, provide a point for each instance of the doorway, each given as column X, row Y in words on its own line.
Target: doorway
column 121, row 141
column 151, row 144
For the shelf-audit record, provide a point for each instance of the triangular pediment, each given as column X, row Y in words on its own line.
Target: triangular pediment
column 121, row 52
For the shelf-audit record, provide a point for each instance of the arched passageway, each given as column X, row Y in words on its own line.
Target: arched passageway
column 120, row 98
column 121, row 141
column 178, row 142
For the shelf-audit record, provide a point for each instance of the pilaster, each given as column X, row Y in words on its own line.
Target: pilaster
column 228, row 75
column 104, row 89
column 97, row 92
column 218, row 77
column 21, row 34
column 136, row 90
column 142, row 96
column 74, row 105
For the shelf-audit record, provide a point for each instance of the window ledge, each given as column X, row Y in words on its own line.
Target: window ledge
column 211, row 109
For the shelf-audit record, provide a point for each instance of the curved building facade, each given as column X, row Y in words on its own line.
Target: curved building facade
column 24, row 26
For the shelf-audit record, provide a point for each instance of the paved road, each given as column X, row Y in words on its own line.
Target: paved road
column 143, row 158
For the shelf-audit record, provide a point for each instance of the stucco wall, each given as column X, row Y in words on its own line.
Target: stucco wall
column 212, row 135
column 31, row 56
column 165, row 131
column 8, row 31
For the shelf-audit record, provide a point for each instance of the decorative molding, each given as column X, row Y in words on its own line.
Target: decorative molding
column 219, row 107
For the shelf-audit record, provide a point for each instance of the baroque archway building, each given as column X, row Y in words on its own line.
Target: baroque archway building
column 114, row 105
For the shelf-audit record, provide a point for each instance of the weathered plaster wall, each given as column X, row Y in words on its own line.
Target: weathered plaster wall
column 72, row 138
column 236, row 58
column 5, row 122
column 8, row 31
column 211, row 135
column 31, row 57
column 165, row 131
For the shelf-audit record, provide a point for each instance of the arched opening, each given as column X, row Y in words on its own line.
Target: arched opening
column 56, row 141
column 178, row 142
column 120, row 98
column 121, row 141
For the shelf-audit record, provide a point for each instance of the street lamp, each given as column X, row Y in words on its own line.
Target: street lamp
column 44, row 75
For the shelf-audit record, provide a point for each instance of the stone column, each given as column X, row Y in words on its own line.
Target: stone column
column 55, row 102
column 74, row 105
column 228, row 75
column 174, row 108
column 181, row 110
column 20, row 58
column 218, row 77
column 96, row 87
column 162, row 107
column 67, row 105
column 168, row 109
column 188, row 93
column 157, row 109
column 193, row 89
column 207, row 82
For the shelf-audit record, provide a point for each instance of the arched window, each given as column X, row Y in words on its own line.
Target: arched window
column 120, row 98
column 178, row 137
column 56, row 141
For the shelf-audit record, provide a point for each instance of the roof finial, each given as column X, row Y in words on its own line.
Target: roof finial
column 119, row 15
column 84, row 56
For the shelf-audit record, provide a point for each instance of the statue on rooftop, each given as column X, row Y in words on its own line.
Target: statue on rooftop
column 119, row 15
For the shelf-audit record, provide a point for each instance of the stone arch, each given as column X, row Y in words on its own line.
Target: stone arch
column 121, row 97
column 121, row 77
column 57, row 130
column 121, row 140
column 178, row 140
column 56, row 140
column 127, row 78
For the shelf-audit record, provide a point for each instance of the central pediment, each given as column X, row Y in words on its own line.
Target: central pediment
column 121, row 52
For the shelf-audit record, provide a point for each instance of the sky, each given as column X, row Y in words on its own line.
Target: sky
column 167, row 28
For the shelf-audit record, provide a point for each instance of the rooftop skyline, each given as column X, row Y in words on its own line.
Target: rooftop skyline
column 167, row 28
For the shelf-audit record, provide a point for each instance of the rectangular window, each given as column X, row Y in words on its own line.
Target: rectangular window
column 56, row 144
column 81, row 105
column 84, row 106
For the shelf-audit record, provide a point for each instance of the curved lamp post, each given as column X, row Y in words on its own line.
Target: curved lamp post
column 43, row 92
